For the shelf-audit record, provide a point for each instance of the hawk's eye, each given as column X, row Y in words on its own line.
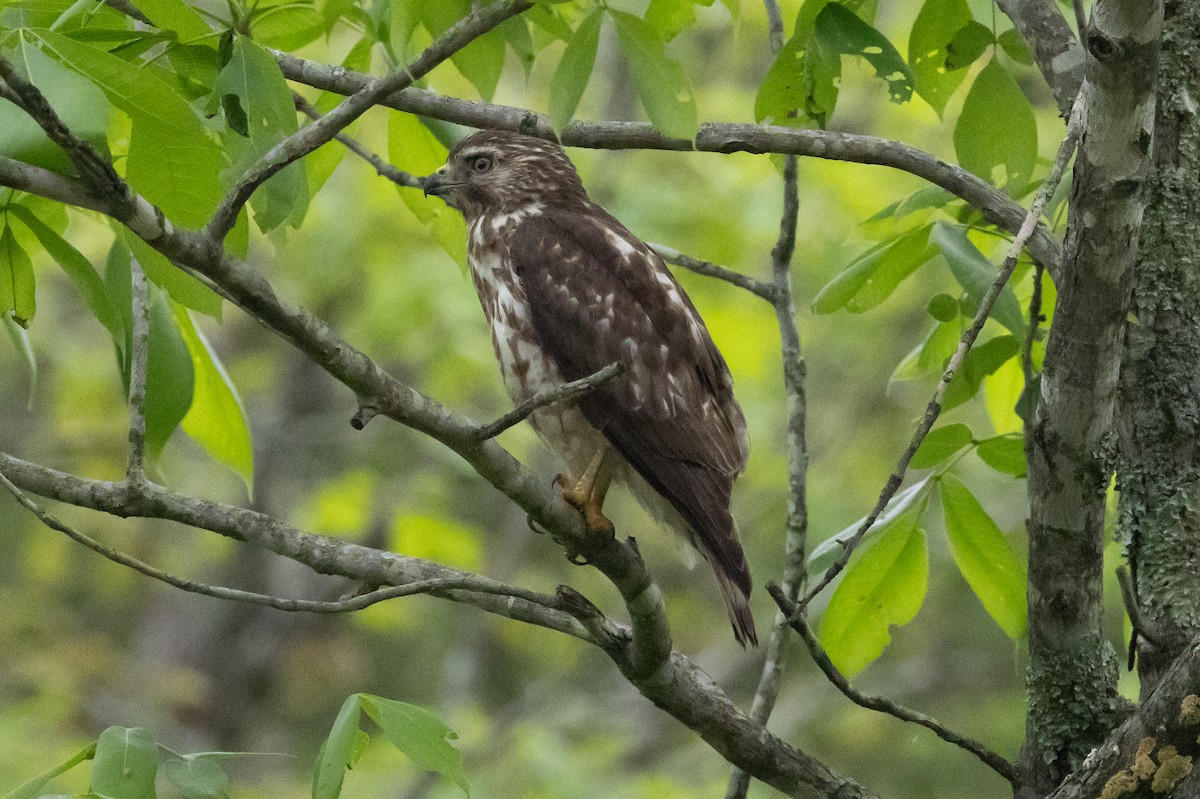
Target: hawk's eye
column 480, row 164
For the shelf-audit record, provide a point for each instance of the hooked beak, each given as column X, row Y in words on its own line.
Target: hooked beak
column 437, row 185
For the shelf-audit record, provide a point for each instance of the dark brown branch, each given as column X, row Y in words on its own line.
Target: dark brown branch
column 881, row 704
column 309, row 138
column 934, row 408
column 564, row 393
column 712, row 137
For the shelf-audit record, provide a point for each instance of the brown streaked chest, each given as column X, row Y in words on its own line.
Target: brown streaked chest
column 525, row 367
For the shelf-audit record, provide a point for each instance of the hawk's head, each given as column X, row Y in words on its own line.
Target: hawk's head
column 495, row 171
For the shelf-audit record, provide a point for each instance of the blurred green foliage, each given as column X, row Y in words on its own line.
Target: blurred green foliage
column 90, row 646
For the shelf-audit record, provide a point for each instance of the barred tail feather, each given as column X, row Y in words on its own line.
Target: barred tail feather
column 738, row 606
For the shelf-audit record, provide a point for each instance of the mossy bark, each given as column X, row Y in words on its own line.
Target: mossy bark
column 1159, row 467
column 1072, row 672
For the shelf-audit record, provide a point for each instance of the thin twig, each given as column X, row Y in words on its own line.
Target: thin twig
column 382, row 168
column 880, row 704
column 709, row 269
column 795, row 541
column 549, row 396
column 310, row 137
column 135, row 471
column 934, row 408
column 1080, row 19
column 1141, row 625
column 435, row 585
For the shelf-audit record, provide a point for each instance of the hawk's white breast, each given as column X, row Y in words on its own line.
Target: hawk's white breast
column 524, row 365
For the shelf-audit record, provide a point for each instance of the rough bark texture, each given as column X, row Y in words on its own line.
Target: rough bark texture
column 1159, row 471
column 1056, row 51
column 1072, row 671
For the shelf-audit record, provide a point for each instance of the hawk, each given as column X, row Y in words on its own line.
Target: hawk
column 568, row 290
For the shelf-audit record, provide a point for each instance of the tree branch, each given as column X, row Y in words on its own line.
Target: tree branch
column 429, row 586
column 135, row 471
column 382, row 168
column 934, row 408
column 563, row 393
column 709, row 269
column 712, row 137
column 881, row 704
column 1056, row 50
column 323, row 555
column 310, row 137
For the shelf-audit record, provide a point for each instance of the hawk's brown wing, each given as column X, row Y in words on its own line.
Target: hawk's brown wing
column 597, row 294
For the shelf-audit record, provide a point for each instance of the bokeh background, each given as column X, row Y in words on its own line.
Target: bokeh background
column 85, row 644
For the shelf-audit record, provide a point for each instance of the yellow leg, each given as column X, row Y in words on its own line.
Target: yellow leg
column 588, row 493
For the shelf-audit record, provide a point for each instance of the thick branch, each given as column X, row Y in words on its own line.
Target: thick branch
column 323, row 555
column 1154, row 748
column 1072, row 672
column 1056, row 50
column 309, row 138
column 712, row 137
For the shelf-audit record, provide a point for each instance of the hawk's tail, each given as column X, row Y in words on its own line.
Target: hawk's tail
column 738, row 606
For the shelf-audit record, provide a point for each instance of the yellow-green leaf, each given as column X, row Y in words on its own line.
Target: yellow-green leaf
column 16, row 279
column 984, row 557
column 884, row 586
column 662, row 86
column 216, row 420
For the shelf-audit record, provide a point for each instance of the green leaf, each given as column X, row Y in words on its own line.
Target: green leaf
column 967, row 45
column 172, row 161
column 125, row 763
column 81, row 106
column 873, row 276
column 481, row 61
column 825, row 553
column 943, row 308
column 1005, row 454
column 253, row 77
column 216, row 419
column 996, row 103
column 984, row 556
column 288, row 27
column 928, row 48
column 1002, row 392
column 21, row 342
column 177, row 16
column 412, row 147
column 840, row 30
column 976, row 274
column 662, row 86
column 337, row 751
column 882, row 587
column 574, row 70
column 669, row 17
column 198, row 777
column 169, row 375
column 182, row 287
column 16, row 280
column 33, row 787
column 940, row 444
column 87, row 282
column 1015, row 47
column 930, row 356
column 981, row 361
column 420, row 735
column 782, row 91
